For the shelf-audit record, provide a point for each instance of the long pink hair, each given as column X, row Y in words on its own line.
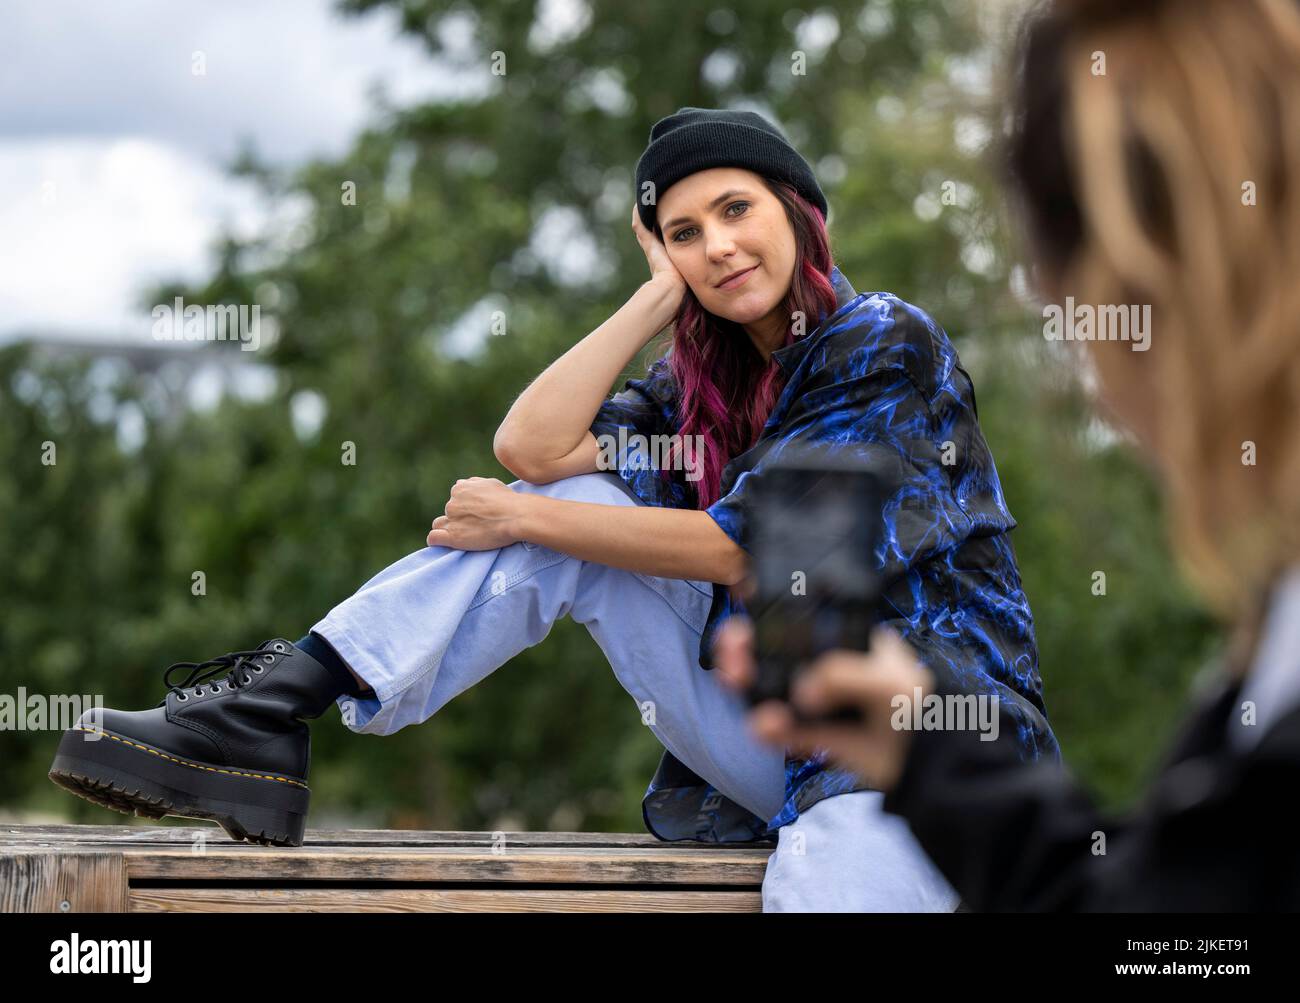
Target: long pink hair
column 725, row 390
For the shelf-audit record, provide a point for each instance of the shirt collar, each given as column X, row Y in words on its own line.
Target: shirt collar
column 1273, row 684
column 788, row 357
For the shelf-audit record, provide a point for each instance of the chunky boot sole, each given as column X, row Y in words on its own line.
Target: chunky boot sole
column 118, row 772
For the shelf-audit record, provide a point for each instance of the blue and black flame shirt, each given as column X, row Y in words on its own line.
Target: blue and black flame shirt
column 879, row 380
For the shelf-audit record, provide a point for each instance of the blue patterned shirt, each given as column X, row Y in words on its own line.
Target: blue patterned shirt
column 879, row 380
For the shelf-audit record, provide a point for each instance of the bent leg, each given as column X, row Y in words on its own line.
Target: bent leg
column 649, row 630
column 439, row 620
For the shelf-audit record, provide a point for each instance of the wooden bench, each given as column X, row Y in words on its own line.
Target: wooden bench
column 126, row 868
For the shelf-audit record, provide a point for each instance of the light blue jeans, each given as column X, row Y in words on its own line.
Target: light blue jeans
column 439, row 620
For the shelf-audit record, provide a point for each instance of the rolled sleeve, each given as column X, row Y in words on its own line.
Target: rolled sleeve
column 626, row 426
column 729, row 511
column 640, row 408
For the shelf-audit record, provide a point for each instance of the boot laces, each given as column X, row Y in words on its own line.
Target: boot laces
column 234, row 663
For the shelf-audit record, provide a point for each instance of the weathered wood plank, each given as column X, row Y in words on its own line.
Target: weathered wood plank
column 438, row 900
column 453, row 863
column 664, row 864
column 183, row 868
column 84, row 881
column 185, row 834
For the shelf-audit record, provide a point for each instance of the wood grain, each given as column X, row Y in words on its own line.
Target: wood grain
column 87, row 868
column 437, row 900
column 84, row 881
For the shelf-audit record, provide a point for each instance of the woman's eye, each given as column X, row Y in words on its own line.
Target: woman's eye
column 677, row 237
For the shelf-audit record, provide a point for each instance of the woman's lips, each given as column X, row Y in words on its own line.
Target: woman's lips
column 736, row 281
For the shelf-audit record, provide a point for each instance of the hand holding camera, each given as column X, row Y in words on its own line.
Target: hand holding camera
column 811, row 662
column 867, row 683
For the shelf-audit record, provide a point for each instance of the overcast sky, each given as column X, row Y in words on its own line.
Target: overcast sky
column 112, row 149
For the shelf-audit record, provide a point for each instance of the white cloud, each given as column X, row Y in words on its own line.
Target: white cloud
column 293, row 74
column 112, row 152
column 88, row 224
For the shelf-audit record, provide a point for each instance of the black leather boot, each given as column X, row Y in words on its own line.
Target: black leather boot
column 237, row 753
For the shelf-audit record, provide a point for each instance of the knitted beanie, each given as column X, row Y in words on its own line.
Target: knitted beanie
column 695, row 139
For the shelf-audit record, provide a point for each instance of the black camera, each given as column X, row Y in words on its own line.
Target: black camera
column 816, row 519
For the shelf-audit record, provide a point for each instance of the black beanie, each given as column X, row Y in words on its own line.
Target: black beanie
column 695, row 139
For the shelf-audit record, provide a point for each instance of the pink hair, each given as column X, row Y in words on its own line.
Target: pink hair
column 725, row 391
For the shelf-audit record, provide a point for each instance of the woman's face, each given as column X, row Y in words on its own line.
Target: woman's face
column 722, row 221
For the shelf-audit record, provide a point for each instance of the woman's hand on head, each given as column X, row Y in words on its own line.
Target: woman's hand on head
column 481, row 514
column 868, row 681
column 661, row 268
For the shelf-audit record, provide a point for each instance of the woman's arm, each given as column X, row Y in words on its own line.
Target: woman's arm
column 664, row 542
column 483, row 513
column 545, row 434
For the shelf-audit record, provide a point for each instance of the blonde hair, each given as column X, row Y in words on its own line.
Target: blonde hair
column 1195, row 109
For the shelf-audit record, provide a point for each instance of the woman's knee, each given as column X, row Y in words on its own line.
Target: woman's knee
column 602, row 487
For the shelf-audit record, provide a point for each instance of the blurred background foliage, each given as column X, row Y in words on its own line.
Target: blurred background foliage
column 381, row 314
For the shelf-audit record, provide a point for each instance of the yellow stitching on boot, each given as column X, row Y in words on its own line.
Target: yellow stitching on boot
column 197, row 766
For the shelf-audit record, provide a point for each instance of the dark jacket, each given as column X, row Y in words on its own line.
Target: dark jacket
column 1213, row 833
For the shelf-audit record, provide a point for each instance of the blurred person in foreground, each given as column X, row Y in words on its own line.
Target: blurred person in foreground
column 1172, row 178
